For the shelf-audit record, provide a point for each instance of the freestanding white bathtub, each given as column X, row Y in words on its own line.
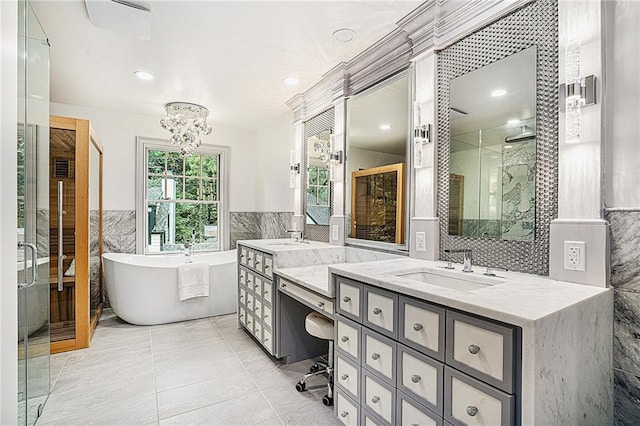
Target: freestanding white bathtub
column 143, row 290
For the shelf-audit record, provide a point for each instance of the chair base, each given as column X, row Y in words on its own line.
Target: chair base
column 321, row 367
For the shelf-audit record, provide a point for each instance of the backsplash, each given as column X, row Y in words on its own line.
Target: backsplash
column 258, row 225
column 625, row 279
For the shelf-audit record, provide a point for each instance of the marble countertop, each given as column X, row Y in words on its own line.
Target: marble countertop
column 513, row 298
column 274, row 246
column 315, row 278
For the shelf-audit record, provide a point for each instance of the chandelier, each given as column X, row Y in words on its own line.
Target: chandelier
column 186, row 122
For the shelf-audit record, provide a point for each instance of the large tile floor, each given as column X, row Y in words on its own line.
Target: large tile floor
column 202, row 372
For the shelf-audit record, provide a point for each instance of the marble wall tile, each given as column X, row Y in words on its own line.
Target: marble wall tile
column 119, row 231
column 626, row 398
column 258, row 225
column 625, row 250
column 626, row 342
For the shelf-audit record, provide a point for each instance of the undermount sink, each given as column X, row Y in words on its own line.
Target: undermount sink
column 286, row 243
column 461, row 283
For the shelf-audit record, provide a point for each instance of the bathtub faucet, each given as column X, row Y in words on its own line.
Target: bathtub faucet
column 187, row 250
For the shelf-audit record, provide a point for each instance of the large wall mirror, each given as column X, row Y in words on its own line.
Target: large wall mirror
column 493, row 150
column 376, row 187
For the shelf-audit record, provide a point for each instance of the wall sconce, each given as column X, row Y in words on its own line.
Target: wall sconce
column 421, row 134
column 575, row 93
column 336, row 158
column 294, row 169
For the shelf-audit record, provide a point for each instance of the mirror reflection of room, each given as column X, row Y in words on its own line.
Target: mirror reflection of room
column 376, row 158
column 493, row 150
column 318, row 210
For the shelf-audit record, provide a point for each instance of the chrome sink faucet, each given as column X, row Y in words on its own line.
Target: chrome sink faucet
column 302, row 238
column 467, row 262
column 187, row 251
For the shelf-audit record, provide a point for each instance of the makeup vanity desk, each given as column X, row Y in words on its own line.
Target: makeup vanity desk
column 515, row 349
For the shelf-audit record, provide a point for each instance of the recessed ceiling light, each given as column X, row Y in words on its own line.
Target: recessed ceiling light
column 385, row 127
column 291, row 81
column 344, row 35
column 143, row 75
column 498, row 93
column 513, row 122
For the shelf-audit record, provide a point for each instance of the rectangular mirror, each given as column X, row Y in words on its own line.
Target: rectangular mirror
column 493, row 150
column 376, row 189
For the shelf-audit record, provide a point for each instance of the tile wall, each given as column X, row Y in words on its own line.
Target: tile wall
column 625, row 279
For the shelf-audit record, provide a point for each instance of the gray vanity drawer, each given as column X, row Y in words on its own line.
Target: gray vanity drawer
column 422, row 326
column 242, row 255
column 369, row 418
column 378, row 397
column 346, row 409
column 267, row 291
column 267, row 338
column 348, row 338
column 379, row 355
column 421, row 377
column 482, row 349
column 242, row 315
column 256, row 285
column 242, row 277
column 251, row 257
column 258, row 261
column 381, row 311
column 349, row 296
column 468, row 401
column 411, row 412
column 348, row 375
column 268, row 266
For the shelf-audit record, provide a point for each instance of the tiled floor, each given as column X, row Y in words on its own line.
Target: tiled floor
column 202, row 372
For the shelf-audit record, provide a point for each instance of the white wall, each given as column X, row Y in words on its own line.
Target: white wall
column 117, row 131
column 622, row 153
column 366, row 159
column 8, row 254
column 271, row 156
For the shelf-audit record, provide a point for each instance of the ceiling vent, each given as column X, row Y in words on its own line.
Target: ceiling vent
column 122, row 17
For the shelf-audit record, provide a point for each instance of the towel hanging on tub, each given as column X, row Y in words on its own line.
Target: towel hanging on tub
column 193, row 280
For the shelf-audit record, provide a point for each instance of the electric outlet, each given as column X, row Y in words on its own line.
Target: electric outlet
column 421, row 244
column 335, row 232
column 574, row 255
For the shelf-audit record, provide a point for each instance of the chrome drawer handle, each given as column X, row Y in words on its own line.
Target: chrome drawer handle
column 249, row 303
column 417, row 327
column 344, row 414
column 266, row 266
column 375, row 399
column 241, row 297
column 241, row 316
column 474, row 349
column 266, row 340
column 256, row 287
column 282, row 285
column 258, row 262
column 344, row 338
column 472, row 410
column 375, row 356
column 242, row 256
column 256, row 308
column 266, row 316
column 320, row 304
column 344, row 377
column 249, row 281
column 377, row 311
column 266, row 292
column 416, row 378
column 346, row 299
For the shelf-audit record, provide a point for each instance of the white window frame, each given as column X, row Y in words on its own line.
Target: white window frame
column 145, row 144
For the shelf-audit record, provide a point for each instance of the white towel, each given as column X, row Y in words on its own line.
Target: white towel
column 193, row 280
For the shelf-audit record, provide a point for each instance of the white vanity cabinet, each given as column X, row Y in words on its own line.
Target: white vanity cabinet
column 406, row 361
column 255, row 295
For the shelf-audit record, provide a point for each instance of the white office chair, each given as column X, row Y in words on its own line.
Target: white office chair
column 321, row 327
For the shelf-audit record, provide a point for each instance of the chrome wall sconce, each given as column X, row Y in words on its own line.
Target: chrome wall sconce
column 421, row 134
column 294, row 169
column 336, row 157
column 576, row 93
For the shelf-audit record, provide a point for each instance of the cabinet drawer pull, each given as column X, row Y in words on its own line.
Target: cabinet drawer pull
column 472, row 410
column 266, row 266
column 344, row 377
column 415, row 378
column 344, row 414
column 241, row 297
column 248, row 302
column 266, row 316
column 346, row 299
column 282, row 285
column 320, row 304
column 241, row 315
column 258, row 262
column 375, row 356
column 242, row 256
column 249, row 281
column 256, row 287
column 344, row 338
column 474, row 349
column 377, row 311
column 417, row 327
column 266, row 340
column 256, row 308
column 375, row 399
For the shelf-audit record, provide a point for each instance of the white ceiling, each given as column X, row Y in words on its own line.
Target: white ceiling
column 229, row 56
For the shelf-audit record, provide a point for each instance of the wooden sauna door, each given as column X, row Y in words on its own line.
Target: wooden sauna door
column 377, row 204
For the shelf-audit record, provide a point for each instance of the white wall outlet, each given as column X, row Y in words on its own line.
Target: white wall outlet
column 335, row 232
column 574, row 255
column 421, row 243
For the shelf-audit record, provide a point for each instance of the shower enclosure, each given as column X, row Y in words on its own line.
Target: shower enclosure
column 32, row 216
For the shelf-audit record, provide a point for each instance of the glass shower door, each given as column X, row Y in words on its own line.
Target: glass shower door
column 33, row 216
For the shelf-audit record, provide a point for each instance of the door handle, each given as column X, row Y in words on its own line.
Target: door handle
column 34, row 264
column 61, row 256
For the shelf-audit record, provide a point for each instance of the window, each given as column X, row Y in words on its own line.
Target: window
column 182, row 200
column 318, row 209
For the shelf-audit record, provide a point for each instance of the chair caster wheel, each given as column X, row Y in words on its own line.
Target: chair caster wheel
column 300, row 387
column 314, row 369
column 326, row 400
